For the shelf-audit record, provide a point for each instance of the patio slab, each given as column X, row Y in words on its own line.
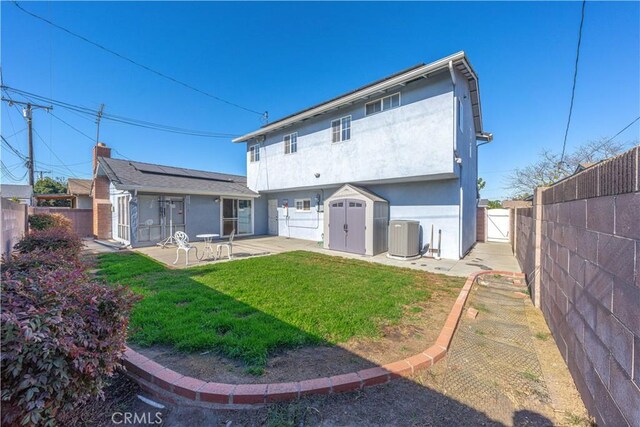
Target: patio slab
column 483, row 256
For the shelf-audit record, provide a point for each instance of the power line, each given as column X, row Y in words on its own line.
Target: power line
column 120, row 119
column 573, row 88
column 145, row 67
column 623, row 129
column 15, row 150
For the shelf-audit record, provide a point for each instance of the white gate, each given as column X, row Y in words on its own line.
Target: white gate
column 498, row 225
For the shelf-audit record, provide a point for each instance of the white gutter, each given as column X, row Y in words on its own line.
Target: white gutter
column 354, row 97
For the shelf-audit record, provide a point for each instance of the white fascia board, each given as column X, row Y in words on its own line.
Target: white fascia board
column 354, row 97
column 165, row 190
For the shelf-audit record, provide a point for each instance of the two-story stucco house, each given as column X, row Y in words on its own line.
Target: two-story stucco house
column 409, row 139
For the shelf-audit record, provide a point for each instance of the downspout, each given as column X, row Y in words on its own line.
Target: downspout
column 455, row 151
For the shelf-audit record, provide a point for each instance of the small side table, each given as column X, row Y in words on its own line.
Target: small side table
column 208, row 244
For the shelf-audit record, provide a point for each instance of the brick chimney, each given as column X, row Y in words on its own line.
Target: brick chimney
column 100, row 150
column 101, row 200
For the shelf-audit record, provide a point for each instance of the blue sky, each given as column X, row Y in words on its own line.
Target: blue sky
column 283, row 57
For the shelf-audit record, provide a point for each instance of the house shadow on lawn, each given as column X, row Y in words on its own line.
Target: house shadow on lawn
column 205, row 333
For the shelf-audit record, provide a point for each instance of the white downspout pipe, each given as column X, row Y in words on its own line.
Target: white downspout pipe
column 455, row 150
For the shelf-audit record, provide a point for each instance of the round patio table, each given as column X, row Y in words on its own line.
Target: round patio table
column 208, row 243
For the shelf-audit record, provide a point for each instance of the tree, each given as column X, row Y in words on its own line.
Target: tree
column 48, row 185
column 494, row 204
column 547, row 169
column 481, row 184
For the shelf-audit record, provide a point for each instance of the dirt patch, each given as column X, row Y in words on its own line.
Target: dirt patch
column 418, row 330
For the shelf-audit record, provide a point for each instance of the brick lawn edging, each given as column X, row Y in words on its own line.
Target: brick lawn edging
column 168, row 385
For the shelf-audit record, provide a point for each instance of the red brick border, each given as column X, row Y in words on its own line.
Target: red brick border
column 171, row 386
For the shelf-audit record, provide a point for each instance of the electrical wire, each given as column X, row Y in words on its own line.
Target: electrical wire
column 623, row 129
column 15, row 150
column 138, row 64
column 573, row 88
column 120, row 119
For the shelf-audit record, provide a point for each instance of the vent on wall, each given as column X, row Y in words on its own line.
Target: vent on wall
column 404, row 238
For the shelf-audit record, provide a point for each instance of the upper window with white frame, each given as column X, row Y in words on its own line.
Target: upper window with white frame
column 303, row 205
column 341, row 129
column 460, row 116
column 291, row 143
column 382, row 104
column 254, row 153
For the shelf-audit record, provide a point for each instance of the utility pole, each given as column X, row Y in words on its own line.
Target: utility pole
column 41, row 173
column 27, row 113
column 98, row 117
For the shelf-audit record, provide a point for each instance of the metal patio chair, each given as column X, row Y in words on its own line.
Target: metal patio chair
column 182, row 240
column 228, row 245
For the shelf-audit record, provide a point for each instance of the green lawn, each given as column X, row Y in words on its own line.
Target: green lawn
column 248, row 308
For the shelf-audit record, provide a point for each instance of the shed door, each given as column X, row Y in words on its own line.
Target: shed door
column 356, row 226
column 498, row 225
column 347, row 225
column 337, row 224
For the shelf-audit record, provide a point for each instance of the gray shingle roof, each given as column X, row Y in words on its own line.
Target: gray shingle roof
column 79, row 187
column 20, row 191
column 130, row 175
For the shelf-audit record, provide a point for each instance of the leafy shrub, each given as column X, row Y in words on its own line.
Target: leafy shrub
column 62, row 335
column 24, row 262
column 50, row 239
column 46, row 221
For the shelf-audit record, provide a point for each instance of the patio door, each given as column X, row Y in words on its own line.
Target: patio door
column 237, row 214
column 123, row 230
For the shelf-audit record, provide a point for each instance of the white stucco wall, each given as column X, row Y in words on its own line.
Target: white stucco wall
column 84, row 202
column 296, row 224
column 429, row 202
column 413, row 140
column 467, row 149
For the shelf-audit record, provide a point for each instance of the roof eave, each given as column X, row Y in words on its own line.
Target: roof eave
column 168, row 190
column 389, row 83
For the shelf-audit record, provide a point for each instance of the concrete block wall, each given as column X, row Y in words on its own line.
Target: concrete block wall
column 13, row 217
column 588, row 280
column 481, row 225
column 590, row 297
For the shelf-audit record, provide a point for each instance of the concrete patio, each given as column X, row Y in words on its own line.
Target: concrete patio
column 484, row 256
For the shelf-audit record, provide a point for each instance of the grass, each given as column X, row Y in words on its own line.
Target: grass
column 543, row 336
column 248, row 309
column 530, row 376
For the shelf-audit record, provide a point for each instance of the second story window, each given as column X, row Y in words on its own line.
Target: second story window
column 382, row 104
column 291, row 143
column 254, row 153
column 341, row 129
column 460, row 116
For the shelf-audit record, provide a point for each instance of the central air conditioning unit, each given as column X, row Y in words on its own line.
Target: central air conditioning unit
column 404, row 239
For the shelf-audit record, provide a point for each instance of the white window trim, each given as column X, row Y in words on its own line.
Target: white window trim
column 340, row 133
column 381, row 101
column 295, row 204
column 460, row 116
column 285, row 143
column 254, row 153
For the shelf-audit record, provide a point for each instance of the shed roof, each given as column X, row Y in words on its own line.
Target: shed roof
column 362, row 191
column 457, row 60
column 131, row 175
column 79, row 187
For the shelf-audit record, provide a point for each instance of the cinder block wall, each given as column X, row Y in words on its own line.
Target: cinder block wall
column 481, row 225
column 590, row 282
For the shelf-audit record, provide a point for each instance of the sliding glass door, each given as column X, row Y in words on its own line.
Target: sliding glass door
column 237, row 214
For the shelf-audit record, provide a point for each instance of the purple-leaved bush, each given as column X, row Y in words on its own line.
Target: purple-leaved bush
column 63, row 333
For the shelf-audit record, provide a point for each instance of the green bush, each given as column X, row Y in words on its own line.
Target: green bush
column 50, row 239
column 46, row 221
